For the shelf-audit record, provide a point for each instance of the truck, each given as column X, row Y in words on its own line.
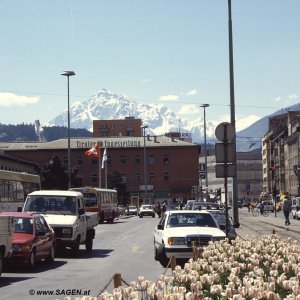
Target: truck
column 6, row 236
column 65, row 212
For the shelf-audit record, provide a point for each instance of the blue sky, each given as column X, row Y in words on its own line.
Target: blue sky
column 160, row 51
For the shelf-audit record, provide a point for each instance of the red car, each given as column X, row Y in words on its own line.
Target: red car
column 33, row 239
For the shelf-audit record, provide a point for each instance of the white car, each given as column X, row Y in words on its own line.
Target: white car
column 146, row 210
column 178, row 229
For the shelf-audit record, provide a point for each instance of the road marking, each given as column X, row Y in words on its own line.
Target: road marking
column 135, row 248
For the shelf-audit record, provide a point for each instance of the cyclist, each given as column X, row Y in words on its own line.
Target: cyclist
column 261, row 208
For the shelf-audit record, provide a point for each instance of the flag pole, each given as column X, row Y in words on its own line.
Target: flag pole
column 99, row 164
column 106, row 173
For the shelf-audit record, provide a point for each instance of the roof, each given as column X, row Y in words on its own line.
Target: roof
column 105, row 142
column 55, row 193
column 17, row 214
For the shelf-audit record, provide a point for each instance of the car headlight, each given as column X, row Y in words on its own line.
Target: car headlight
column 21, row 248
column 176, row 241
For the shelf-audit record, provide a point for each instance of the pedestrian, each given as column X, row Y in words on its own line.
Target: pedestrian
column 164, row 206
column 287, row 208
column 158, row 209
column 261, row 208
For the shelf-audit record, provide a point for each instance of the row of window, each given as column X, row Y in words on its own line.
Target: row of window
column 123, row 160
column 137, row 177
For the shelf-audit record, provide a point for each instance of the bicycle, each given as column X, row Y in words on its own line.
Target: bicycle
column 256, row 212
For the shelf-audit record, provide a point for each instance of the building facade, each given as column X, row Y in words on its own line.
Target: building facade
column 115, row 128
column 171, row 165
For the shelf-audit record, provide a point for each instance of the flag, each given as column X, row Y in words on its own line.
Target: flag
column 93, row 152
column 104, row 158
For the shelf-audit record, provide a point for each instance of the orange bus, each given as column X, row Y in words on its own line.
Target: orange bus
column 103, row 201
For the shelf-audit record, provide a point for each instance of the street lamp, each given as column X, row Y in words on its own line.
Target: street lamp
column 68, row 74
column 145, row 161
column 205, row 150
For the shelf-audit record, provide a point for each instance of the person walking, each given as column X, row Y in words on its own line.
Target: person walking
column 287, row 208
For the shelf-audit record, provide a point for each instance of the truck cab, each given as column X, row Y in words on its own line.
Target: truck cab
column 65, row 212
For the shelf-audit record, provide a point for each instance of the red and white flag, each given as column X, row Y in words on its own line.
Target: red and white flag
column 93, row 152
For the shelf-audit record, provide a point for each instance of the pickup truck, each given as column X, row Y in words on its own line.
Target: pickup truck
column 65, row 212
column 6, row 234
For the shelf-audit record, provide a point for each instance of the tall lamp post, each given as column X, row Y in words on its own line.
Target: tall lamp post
column 68, row 74
column 145, row 161
column 205, row 149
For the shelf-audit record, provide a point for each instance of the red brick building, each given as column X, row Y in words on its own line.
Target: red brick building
column 172, row 165
column 113, row 128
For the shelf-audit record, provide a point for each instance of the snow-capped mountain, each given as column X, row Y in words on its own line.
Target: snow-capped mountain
column 106, row 105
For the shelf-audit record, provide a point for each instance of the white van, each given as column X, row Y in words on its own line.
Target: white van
column 296, row 208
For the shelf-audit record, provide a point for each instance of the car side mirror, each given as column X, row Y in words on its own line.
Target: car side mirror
column 222, row 226
column 81, row 211
column 160, row 227
column 19, row 209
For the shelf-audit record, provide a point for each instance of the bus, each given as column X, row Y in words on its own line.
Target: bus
column 14, row 187
column 103, row 201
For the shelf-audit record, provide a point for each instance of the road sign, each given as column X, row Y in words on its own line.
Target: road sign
column 225, row 170
column 225, row 132
column 230, row 152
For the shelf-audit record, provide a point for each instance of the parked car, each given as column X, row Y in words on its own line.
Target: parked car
column 296, row 208
column 268, row 206
column 220, row 217
column 33, row 239
column 146, row 210
column 131, row 210
column 177, row 230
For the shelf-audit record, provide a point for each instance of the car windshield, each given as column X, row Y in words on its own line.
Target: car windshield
column 146, row 207
column 191, row 220
column 23, row 225
column 51, row 204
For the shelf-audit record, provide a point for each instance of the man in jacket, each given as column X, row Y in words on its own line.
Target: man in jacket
column 287, row 208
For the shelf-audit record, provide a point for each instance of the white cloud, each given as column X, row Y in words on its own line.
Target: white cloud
column 192, row 93
column 278, row 99
column 10, row 99
column 145, row 80
column 169, row 98
column 188, row 109
column 292, row 96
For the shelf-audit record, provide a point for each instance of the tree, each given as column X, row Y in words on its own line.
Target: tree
column 115, row 181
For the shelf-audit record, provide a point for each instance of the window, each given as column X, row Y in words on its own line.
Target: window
column 123, row 178
column 166, row 159
column 137, row 177
column 123, row 160
column 65, row 161
column 166, row 176
column 151, row 160
column 94, row 178
column 151, row 177
column 80, row 160
column 109, row 160
column 137, row 159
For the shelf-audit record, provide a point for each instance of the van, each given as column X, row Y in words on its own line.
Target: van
column 296, row 208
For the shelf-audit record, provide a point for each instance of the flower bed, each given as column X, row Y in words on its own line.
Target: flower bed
column 267, row 268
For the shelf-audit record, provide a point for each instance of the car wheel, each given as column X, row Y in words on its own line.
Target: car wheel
column 140, row 216
column 155, row 253
column 75, row 248
column 51, row 255
column 153, row 216
column 32, row 260
column 162, row 257
column 89, row 244
column 1, row 263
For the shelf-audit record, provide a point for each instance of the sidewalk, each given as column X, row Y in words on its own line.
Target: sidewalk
column 277, row 223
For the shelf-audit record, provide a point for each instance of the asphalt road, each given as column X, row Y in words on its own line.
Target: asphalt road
column 124, row 247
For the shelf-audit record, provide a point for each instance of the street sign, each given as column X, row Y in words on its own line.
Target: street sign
column 230, row 152
column 225, row 132
column 225, row 170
